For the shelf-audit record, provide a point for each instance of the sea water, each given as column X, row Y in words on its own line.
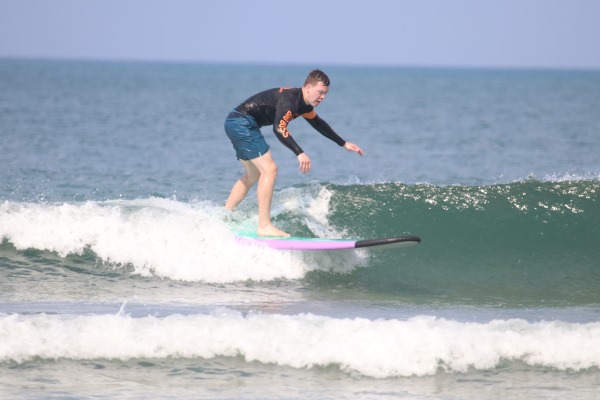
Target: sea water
column 120, row 275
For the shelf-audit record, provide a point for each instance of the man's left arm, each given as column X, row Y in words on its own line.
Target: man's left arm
column 324, row 129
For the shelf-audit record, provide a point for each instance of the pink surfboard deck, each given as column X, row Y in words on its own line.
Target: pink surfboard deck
column 300, row 243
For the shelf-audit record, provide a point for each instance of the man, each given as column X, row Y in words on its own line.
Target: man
column 277, row 107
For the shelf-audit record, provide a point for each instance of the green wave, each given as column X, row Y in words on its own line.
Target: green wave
column 525, row 243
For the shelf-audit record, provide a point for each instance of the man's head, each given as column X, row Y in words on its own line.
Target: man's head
column 315, row 87
column 315, row 76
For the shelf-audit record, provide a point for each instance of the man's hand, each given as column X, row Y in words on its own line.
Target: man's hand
column 304, row 163
column 352, row 147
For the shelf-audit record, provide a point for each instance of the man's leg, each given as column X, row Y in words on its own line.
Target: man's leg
column 264, row 171
column 243, row 185
column 266, row 184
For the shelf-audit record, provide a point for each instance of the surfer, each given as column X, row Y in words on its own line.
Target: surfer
column 277, row 107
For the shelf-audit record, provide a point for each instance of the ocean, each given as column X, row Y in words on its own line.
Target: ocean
column 121, row 277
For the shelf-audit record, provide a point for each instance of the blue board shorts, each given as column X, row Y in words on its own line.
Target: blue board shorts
column 245, row 136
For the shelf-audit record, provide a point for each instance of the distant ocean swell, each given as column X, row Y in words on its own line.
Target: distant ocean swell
column 525, row 241
column 379, row 348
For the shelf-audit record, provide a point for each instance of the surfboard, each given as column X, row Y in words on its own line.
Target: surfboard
column 301, row 243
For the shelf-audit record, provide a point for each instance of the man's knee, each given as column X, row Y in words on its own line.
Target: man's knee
column 271, row 169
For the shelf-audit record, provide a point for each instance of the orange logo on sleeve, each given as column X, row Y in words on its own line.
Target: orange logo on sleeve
column 284, row 123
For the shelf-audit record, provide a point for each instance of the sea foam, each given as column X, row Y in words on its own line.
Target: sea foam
column 159, row 237
column 380, row 348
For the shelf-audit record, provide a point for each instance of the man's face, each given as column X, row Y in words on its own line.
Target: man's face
column 314, row 94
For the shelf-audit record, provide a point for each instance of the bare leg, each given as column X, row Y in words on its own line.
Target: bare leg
column 264, row 170
column 266, row 184
column 243, row 185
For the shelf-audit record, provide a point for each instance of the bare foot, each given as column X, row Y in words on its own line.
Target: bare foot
column 271, row 231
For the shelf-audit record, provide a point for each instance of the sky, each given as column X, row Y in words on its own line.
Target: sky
column 561, row 34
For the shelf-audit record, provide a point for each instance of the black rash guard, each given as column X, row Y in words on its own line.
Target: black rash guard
column 283, row 105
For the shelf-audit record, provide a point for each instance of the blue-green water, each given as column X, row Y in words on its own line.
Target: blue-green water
column 120, row 275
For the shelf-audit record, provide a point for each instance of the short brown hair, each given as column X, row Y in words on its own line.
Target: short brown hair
column 315, row 76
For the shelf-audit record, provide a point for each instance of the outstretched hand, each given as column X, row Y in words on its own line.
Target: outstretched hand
column 304, row 163
column 352, row 147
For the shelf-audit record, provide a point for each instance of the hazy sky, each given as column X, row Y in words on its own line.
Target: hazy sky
column 471, row 33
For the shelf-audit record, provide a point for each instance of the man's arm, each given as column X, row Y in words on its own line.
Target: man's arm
column 282, row 119
column 323, row 127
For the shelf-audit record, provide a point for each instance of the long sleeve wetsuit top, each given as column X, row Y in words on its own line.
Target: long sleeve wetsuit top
column 278, row 107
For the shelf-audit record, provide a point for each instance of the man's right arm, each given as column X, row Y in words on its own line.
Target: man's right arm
column 283, row 116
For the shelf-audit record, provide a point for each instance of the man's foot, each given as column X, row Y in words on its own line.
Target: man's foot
column 271, row 231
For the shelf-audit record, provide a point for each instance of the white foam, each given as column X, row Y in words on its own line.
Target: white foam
column 377, row 348
column 561, row 177
column 571, row 177
column 158, row 237
column 313, row 203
